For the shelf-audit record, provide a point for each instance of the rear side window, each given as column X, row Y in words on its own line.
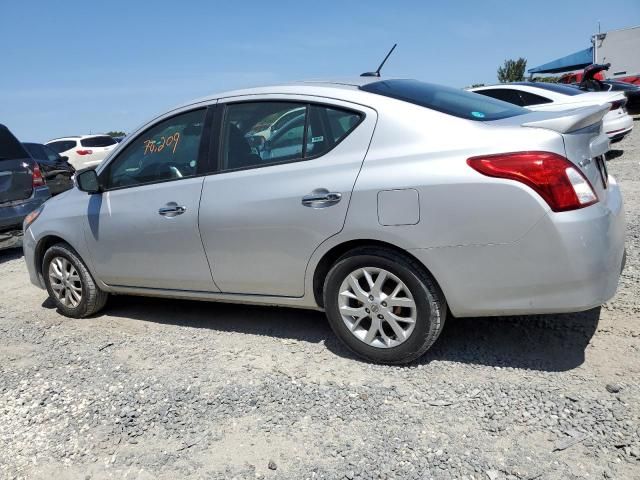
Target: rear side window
column 529, row 98
column 451, row 101
column 10, row 147
column 257, row 134
column 504, row 94
column 60, row 146
column 101, row 141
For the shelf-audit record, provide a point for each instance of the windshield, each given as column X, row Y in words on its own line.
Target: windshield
column 459, row 103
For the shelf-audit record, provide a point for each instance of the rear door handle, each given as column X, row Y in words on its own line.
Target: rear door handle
column 172, row 209
column 321, row 198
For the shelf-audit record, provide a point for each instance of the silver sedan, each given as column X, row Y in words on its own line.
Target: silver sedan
column 385, row 203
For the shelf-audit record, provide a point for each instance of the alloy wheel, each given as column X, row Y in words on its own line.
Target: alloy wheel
column 377, row 307
column 65, row 282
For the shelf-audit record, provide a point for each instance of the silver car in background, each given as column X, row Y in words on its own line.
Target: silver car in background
column 387, row 204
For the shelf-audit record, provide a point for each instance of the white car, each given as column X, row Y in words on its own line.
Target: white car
column 541, row 96
column 83, row 150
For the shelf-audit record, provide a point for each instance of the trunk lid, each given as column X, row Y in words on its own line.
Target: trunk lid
column 16, row 177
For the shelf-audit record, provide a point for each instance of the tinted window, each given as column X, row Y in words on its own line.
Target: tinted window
column 451, row 101
column 529, row 98
column 62, row 145
column 10, row 147
column 51, row 155
column 102, row 141
column 504, row 94
column 167, row 151
column 35, row 150
column 554, row 87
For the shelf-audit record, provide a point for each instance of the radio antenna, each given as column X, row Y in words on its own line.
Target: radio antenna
column 377, row 72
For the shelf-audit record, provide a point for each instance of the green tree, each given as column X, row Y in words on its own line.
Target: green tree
column 512, row 70
column 116, row 133
column 474, row 85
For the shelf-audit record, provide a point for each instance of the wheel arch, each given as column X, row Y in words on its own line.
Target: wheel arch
column 332, row 255
column 42, row 246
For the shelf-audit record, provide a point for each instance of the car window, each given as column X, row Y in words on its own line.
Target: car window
column 327, row 127
column 62, row 145
column 529, row 98
column 10, row 147
column 166, row 151
column 450, row 101
column 504, row 94
column 249, row 139
column 98, row 141
column 50, row 154
column 35, row 150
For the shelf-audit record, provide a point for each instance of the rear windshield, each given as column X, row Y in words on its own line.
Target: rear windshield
column 554, row 87
column 102, row 141
column 10, row 147
column 451, row 101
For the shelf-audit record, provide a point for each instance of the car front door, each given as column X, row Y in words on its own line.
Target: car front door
column 142, row 230
column 272, row 203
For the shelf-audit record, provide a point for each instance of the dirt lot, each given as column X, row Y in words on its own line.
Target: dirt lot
column 176, row 389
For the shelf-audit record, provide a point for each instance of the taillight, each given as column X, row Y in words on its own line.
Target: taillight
column 84, row 152
column 37, row 180
column 552, row 176
column 617, row 104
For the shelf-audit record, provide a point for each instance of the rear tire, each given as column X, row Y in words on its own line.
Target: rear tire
column 69, row 283
column 383, row 305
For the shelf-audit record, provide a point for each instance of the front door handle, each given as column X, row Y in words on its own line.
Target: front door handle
column 172, row 209
column 321, row 198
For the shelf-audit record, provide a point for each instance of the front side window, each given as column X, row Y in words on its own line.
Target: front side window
column 167, row 151
column 264, row 133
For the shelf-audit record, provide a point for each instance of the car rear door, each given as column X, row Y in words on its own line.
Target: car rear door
column 16, row 176
column 269, row 206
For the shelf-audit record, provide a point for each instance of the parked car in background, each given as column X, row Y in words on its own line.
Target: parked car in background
column 631, row 91
column 56, row 170
column 542, row 96
column 22, row 188
column 396, row 202
column 84, row 151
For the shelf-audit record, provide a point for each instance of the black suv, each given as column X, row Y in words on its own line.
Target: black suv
column 22, row 188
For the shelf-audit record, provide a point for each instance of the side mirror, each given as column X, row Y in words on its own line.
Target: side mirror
column 87, row 181
column 64, row 158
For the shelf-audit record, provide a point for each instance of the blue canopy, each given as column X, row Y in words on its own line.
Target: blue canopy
column 574, row 61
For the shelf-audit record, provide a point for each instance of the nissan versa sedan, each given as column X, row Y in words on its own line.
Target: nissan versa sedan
column 392, row 205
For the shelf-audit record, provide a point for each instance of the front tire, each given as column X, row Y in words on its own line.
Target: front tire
column 69, row 283
column 383, row 305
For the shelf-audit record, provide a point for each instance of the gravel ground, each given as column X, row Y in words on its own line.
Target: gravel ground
column 175, row 389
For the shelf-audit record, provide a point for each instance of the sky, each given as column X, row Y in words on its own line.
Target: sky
column 72, row 67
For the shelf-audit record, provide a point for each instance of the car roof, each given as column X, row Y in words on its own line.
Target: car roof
column 77, row 137
column 307, row 87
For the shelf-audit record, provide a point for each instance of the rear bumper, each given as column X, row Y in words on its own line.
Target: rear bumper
column 12, row 216
column 616, row 129
column 568, row 262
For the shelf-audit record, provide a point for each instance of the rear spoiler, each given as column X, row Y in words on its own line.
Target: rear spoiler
column 571, row 120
